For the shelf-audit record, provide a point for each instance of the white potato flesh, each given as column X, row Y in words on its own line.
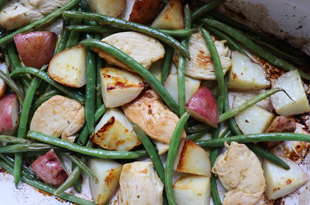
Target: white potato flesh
column 245, row 74
column 140, row 185
column 69, row 67
column 200, row 66
column 192, row 189
column 162, row 148
column 127, row 10
column 107, row 7
column 191, row 86
column 108, row 173
column 4, row 68
column 156, row 68
column 193, row 159
column 254, row 119
column 119, row 86
column 292, row 84
column 171, row 17
column 242, row 175
column 281, row 182
column 144, row 49
column 115, row 132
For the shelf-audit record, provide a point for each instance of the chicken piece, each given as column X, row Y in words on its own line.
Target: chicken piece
column 156, row 120
column 48, row 168
column 278, row 124
column 21, row 13
column 144, row 49
column 58, row 116
column 200, row 65
column 241, row 173
column 140, row 185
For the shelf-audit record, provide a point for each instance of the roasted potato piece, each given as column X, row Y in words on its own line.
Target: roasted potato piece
column 9, row 112
column 152, row 116
column 144, row 11
column 144, row 49
column 107, row 7
column 58, row 116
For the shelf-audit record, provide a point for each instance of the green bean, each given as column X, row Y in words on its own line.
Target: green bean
column 137, row 67
column 149, row 147
column 258, row 35
column 167, row 64
column 217, row 67
column 74, row 35
column 182, row 64
column 179, row 33
column 83, row 137
column 206, row 8
column 247, row 104
column 282, row 136
column 64, row 38
column 6, row 78
column 100, row 153
column 231, row 43
column 44, row 76
column 173, row 147
column 130, row 25
column 90, row 89
column 197, row 128
column 268, row 155
column 2, row 2
column 22, row 128
column 44, row 98
column 41, row 22
column 254, row 47
column 100, row 64
column 13, row 140
column 196, row 135
column 164, row 1
column 21, row 148
column 39, row 185
column 81, row 165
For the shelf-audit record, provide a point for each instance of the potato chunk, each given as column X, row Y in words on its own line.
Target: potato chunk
column 58, row 116
column 241, row 173
column 144, row 49
column 140, row 185
column 200, row 65
column 107, row 7
column 152, row 116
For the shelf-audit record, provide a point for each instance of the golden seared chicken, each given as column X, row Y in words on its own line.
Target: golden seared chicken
column 152, row 116
column 17, row 14
column 144, row 49
column 140, row 185
column 200, row 66
column 241, row 173
column 58, row 116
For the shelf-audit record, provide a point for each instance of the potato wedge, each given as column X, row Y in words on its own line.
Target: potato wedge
column 192, row 159
column 107, row 7
column 144, row 49
column 292, row 84
column 36, row 48
column 9, row 112
column 200, row 66
column 191, row 189
column 157, row 121
column 140, row 185
column 254, row 119
column 4, row 68
column 191, row 86
column 69, row 67
column 281, row 182
column 245, row 74
column 144, row 11
column 115, row 132
column 119, row 86
column 171, row 16
column 108, row 173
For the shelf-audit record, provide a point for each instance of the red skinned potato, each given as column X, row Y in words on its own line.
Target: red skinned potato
column 9, row 112
column 36, row 48
column 2, row 87
column 144, row 11
column 48, row 168
column 203, row 107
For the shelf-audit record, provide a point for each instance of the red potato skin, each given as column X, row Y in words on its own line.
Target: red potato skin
column 36, row 48
column 144, row 11
column 7, row 104
column 2, row 87
column 48, row 168
column 203, row 107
